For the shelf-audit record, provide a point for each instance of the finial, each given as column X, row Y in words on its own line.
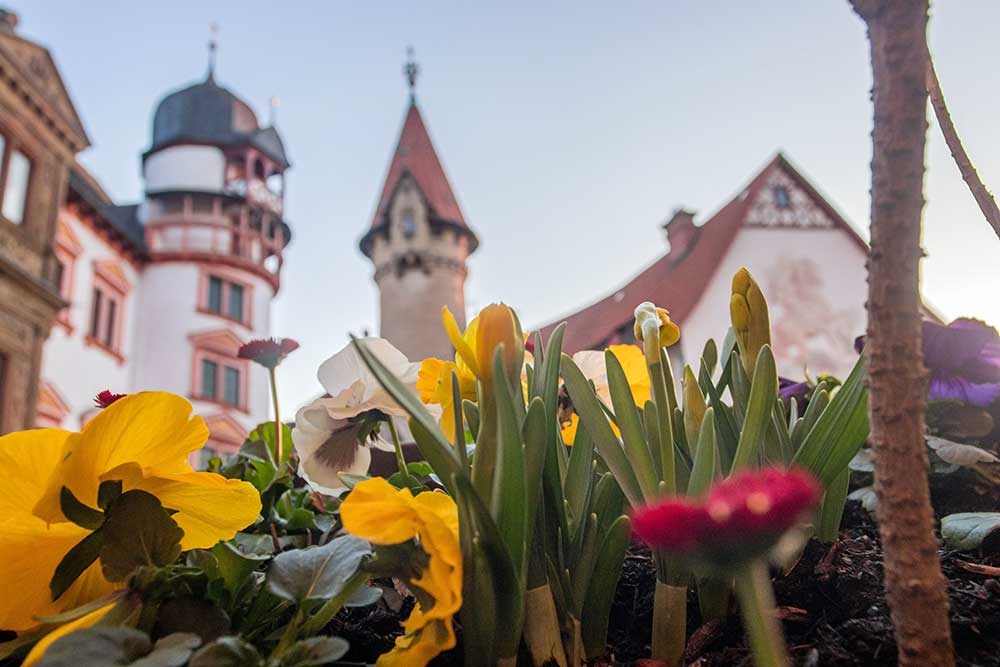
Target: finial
column 213, row 45
column 274, row 111
column 411, row 70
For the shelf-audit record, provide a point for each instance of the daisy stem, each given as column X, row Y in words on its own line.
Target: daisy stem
column 400, row 459
column 753, row 589
column 278, row 445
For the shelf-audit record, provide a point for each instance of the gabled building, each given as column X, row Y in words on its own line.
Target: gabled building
column 809, row 261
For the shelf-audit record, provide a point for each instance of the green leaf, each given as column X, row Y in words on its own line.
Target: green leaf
column 138, row 531
column 968, row 530
column 266, row 433
column 706, row 457
column 226, row 652
column 709, row 358
column 839, row 432
column 579, row 475
column 98, row 646
column 763, row 389
column 314, row 652
column 191, row 616
column 170, row 651
column 108, row 493
column 234, row 565
column 75, row 562
column 77, row 512
column 959, row 454
column 602, row 587
column 316, row 573
column 831, row 511
column 592, row 416
column 630, row 425
column 508, row 503
column 726, row 432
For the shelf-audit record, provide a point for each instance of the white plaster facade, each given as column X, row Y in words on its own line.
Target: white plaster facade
column 197, row 168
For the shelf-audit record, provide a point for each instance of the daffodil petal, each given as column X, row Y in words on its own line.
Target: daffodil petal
column 461, row 345
column 155, row 429
column 91, row 619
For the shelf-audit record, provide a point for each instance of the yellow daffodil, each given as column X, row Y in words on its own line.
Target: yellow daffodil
column 434, row 386
column 381, row 514
column 496, row 324
column 751, row 321
column 144, row 441
column 650, row 318
column 594, row 367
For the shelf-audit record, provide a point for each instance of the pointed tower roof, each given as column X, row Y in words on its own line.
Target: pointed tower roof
column 416, row 158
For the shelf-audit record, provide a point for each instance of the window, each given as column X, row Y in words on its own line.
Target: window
column 409, row 225
column 226, row 297
column 220, row 381
column 15, row 173
column 111, row 323
column 107, row 308
column 95, row 313
column 67, row 249
column 59, row 276
column 209, row 379
column 781, row 198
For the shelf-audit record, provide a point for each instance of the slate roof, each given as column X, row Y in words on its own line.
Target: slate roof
column 415, row 156
column 121, row 220
column 209, row 113
column 675, row 280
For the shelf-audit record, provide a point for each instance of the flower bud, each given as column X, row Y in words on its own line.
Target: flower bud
column 750, row 318
column 650, row 319
column 498, row 326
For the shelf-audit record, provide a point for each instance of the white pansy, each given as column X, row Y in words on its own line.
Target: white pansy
column 353, row 388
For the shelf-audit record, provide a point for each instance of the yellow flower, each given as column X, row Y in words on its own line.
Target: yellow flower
column 377, row 512
column 434, row 385
column 649, row 317
column 751, row 321
column 143, row 440
column 496, row 324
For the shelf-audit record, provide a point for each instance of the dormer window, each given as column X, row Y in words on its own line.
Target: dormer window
column 781, row 198
column 408, row 225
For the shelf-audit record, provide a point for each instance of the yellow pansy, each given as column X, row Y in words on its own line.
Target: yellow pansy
column 378, row 512
column 144, row 441
column 434, row 385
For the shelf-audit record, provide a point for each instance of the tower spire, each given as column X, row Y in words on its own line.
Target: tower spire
column 213, row 45
column 411, row 70
column 273, row 111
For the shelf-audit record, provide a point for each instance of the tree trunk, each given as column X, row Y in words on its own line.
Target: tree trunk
column 897, row 379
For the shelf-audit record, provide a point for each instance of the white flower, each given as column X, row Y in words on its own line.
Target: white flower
column 328, row 446
column 354, row 389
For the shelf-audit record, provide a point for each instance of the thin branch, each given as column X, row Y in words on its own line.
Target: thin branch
column 983, row 197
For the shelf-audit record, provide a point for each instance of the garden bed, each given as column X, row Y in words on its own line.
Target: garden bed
column 832, row 605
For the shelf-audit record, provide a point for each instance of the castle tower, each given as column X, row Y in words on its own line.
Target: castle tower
column 214, row 235
column 419, row 242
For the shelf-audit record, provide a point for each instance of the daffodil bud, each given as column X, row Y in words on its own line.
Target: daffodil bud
column 651, row 321
column 498, row 326
column 694, row 407
column 751, row 322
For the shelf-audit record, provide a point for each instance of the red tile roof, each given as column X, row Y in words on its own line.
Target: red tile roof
column 416, row 156
column 677, row 282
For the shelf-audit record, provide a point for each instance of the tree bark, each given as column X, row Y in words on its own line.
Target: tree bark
column 983, row 197
column 897, row 379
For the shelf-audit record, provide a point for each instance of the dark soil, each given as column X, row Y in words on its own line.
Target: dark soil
column 831, row 604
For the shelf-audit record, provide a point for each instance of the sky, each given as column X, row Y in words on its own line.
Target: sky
column 569, row 130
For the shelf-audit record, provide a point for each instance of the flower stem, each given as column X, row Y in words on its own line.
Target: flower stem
column 669, row 623
column 325, row 614
column 278, row 444
column 400, row 459
column 753, row 589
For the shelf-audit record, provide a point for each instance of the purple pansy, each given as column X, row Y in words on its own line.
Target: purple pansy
column 963, row 359
column 789, row 389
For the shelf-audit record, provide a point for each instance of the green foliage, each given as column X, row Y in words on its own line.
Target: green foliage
column 316, row 573
column 969, row 530
column 138, row 532
column 108, row 646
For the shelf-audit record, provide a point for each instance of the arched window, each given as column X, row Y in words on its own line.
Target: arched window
column 258, row 169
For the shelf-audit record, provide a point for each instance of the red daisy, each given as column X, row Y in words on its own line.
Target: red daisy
column 741, row 517
column 106, row 398
column 268, row 352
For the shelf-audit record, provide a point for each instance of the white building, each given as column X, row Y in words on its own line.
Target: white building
column 162, row 293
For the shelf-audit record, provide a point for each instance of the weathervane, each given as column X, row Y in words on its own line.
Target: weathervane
column 411, row 70
column 274, row 110
column 213, row 45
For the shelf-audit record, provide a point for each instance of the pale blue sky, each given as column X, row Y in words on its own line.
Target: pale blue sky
column 569, row 130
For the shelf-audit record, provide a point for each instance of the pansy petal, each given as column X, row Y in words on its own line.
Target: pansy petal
column 34, row 455
column 963, row 390
column 29, row 554
column 155, row 429
column 209, row 507
column 378, row 512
